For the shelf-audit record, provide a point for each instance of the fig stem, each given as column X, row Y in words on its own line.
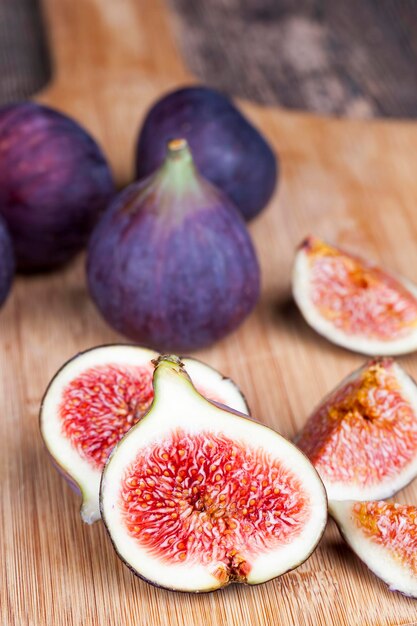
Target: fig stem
column 179, row 155
column 177, row 147
column 178, row 169
column 169, row 363
column 169, row 370
column 168, row 358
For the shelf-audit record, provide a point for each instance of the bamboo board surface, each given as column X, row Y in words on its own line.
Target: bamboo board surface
column 354, row 183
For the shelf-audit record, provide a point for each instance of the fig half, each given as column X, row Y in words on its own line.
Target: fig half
column 362, row 438
column 354, row 303
column 197, row 496
column 384, row 536
column 96, row 397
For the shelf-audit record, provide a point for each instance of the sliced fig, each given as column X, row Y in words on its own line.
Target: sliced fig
column 354, row 303
column 197, row 496
column 362, row 438
column 96, row 397
column 384, row 536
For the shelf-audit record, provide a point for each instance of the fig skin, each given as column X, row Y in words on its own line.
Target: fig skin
column 227, row 149
column 171, row 264
column 54, row 184
column 7, row 262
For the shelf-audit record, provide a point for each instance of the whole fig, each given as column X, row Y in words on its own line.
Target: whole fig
column 54, row 184
column 171, row 263
column 227, row 149
column 7, row 263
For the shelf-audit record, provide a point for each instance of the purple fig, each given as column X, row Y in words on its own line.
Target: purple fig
column 227, row 149
column 171, row 263
column 7, row 264
column 54, row 184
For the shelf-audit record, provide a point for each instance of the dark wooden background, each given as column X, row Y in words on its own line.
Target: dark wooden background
column 346, row 57
column 355, row 58
column 24, row 59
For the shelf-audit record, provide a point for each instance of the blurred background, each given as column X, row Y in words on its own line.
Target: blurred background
column 355, row 59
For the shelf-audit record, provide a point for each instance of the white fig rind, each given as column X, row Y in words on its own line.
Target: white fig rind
column 355, row 343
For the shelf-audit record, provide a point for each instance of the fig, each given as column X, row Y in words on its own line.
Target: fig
column 384, row 536
column 197, row 496
column 7, row 262
column 362, row 438
column 227, row 149
column 54, row 184
column 354, row 303
column 171, row 264
column 96, row 397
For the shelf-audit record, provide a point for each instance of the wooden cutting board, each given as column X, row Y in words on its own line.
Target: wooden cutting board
column 354, row 183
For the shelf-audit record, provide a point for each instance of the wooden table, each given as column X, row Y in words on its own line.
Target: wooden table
column 354, row 183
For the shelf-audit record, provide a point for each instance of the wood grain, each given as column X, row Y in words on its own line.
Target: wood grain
column 352, row 182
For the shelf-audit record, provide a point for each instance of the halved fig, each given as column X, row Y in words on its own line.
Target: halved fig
column 354, row 303
column 196, row 496
column 362, row 438
column 384, row 536
column 96, row 397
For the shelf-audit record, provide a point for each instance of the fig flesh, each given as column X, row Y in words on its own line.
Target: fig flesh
column 384, row 536
column 54, row 184
column 227, row 149
column 354, row 303
column 7, row 262
column 197, row 496
column 171, row 265
column 362, row 438
column 96, row 397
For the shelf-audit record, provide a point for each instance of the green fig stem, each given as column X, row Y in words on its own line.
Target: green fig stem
column 178, row 170
column 170, row 364
column 171, row 383
column 170, row 359
column 179, row 149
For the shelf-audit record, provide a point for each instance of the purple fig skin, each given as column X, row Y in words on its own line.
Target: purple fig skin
column 173, row 269
column 54, row 184
column 228, row 151
column 7, row 262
